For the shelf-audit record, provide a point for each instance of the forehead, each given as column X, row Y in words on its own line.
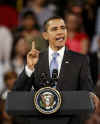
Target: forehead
column 56, row 23
column 71, row 16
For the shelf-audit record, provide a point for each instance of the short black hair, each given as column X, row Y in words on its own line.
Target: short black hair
column 69, row 13
column 28, row 13
column 51, row 18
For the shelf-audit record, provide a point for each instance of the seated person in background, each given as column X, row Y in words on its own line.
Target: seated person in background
column 73, row 68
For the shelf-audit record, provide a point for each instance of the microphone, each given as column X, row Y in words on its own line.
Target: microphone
column 54, row 79
column 44, row 80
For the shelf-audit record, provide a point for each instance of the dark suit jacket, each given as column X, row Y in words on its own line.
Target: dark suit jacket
column 74, row 75
column 93, row 61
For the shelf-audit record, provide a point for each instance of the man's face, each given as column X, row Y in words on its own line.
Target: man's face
column 56, row 34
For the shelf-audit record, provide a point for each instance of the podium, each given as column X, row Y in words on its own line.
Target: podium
column 74, row 103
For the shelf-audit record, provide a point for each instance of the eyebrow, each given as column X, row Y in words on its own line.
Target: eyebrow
column 55, row 27
column 63, row 26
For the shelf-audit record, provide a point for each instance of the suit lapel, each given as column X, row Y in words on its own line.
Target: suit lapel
column 46, row 63
column 65, row 64
column 64, row 67
column 66, row 61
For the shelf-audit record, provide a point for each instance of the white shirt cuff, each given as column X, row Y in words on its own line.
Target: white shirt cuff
column 28, row 71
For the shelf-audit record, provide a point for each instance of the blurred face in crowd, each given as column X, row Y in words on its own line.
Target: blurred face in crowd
column 22, row 47
column 77, row 10
column 39, row 2
column 56, row 33
column 10, row 78
column 71, row 22
column 91, row 2
column 28, row 22
column 10, row 83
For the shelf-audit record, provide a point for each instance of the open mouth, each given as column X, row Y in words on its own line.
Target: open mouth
column 59, row 39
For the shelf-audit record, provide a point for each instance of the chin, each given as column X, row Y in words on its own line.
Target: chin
column 60, row 44
column 59, row 47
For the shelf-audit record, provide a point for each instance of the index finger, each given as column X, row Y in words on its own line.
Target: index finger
column 33, row 45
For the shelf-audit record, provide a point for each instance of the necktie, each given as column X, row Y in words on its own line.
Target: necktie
column 54, row 63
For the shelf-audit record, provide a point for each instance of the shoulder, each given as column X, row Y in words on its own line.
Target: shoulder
column 93, row 56
column 82, row 36
column 78, row 56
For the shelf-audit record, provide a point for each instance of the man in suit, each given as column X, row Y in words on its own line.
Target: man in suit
column 73, row 69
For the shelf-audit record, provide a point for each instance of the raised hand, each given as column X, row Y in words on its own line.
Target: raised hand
column 32, row 57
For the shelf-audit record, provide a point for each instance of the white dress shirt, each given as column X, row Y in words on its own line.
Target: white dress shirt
column 59, row 60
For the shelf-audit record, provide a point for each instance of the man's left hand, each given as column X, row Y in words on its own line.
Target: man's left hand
column 95, row 100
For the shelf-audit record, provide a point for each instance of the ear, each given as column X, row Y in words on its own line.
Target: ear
column 45, row 35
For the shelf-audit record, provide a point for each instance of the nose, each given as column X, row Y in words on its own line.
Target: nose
column 60, row 32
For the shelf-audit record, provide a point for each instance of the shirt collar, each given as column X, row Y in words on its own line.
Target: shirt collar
column 61, row 51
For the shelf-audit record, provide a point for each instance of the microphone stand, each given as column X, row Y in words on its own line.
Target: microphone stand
column 44, row 80
column 54, row 79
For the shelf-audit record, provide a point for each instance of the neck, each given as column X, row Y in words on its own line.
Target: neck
column 56, row 49
column 71, row 34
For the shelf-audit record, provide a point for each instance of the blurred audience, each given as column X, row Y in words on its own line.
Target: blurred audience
column 29, row 22
column 76, row 40
column 95, row 64
column 2, row 85
column 76, row 6
column 6, row 40
column 94, row 45
column 89, row 17
column 29, row 28
column 97, row 27
column 18, row 54
column 41, row 9
column 9, row 16
column 9, row 79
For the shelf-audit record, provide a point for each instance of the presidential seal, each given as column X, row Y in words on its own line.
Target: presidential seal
column 47, row 100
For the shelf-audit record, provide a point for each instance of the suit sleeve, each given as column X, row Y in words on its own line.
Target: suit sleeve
column 23, row 82
column 86, row 82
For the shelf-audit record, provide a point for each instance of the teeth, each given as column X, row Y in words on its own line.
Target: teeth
column 59, row 39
